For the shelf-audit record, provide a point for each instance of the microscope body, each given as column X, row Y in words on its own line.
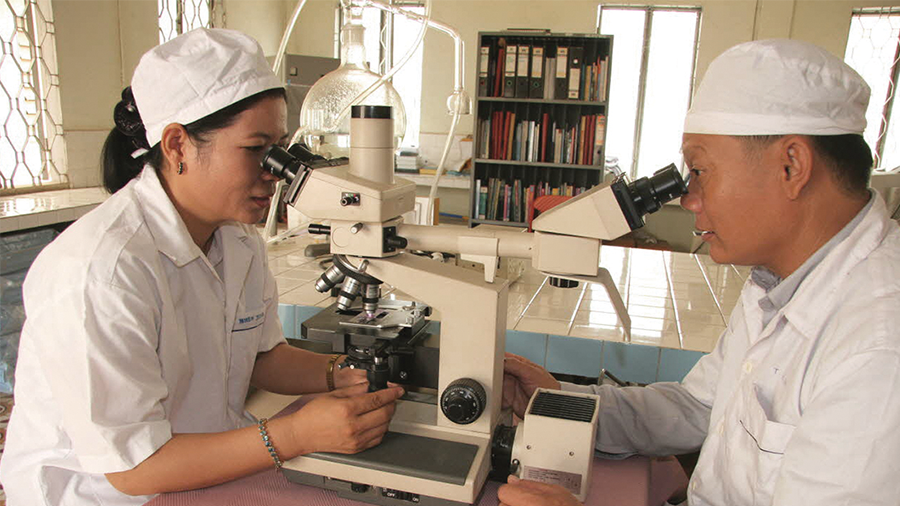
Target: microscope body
column 438, row 449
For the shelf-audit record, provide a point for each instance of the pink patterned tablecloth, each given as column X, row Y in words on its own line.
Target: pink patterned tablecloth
column 636, row 481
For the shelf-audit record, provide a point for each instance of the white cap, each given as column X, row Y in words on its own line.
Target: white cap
column 777, row 87
column 197, row 74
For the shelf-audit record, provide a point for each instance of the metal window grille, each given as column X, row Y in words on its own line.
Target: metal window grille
column 181, row 16
column 874, row 52
column 32, row 147
column 653, row 64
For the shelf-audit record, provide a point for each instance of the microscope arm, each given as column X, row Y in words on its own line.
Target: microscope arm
column 558, row 256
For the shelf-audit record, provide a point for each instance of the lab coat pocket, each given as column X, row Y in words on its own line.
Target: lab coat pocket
column 769, row 438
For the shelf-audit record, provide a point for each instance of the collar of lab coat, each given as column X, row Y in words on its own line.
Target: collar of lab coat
column 168, row 229
column 817, row 294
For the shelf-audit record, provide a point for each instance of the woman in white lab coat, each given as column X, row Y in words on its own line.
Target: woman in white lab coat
column 150, row 317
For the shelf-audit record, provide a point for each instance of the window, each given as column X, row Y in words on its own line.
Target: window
column 872, row 50
column 388, row 38
column 181, row 16
column 32, row 149
column 654, row 53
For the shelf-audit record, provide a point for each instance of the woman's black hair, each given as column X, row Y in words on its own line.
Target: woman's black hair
column 117, row 163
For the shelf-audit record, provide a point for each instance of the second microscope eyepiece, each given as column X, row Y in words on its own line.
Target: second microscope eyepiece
column 648, row 194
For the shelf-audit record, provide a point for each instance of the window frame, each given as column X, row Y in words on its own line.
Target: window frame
column 216, row 16
column 894, row 75
column 648, row 11
column 385, row 47
column 43, row 72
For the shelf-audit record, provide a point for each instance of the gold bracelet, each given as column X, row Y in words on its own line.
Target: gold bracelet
column 329, row 372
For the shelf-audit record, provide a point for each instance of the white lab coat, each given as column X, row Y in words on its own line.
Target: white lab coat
column 132, row 335
column 803, row 411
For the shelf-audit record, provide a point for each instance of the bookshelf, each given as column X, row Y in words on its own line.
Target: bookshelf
column 540, row 122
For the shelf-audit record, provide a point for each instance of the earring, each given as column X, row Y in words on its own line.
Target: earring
column 180, row 168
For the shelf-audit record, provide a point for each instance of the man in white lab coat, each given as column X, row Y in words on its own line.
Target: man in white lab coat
column 799, row 403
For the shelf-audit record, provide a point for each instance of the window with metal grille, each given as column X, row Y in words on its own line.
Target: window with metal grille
column 32, row 148
column 181, row 16
column 653, row 60
column 388, row 37
column 874, row 52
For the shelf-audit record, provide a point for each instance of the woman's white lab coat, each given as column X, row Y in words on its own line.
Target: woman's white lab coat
column 803, row 411
column 132, row 335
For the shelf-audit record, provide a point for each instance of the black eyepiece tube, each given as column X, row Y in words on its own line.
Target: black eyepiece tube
column 649, row 194
column 281, row 163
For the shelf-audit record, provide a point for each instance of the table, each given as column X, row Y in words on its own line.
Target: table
column 635, row 481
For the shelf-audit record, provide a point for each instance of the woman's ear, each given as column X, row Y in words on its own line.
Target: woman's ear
column 174, row 144
column 797, row 157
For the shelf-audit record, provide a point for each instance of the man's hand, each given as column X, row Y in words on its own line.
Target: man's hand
column 531, row 493
column 348, row 420
column 521, row 377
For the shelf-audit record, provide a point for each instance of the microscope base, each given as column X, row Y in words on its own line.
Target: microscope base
column 422, row 465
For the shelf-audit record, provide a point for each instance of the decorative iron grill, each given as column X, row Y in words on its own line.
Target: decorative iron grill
column 32, row 146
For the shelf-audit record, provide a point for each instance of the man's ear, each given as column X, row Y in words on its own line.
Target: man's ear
column 174, row 144
column 797, row 159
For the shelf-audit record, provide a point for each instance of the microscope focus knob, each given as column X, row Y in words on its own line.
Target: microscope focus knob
column 463, row 401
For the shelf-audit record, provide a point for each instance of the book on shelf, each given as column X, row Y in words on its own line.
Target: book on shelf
column 523, row 78
column 535, row 68
column 537, row 71
column 513, row 200
column 482, row 201
column 509, row 72
column 562, row 71
column 483, row 68
column 574, row 87
column 506, row 137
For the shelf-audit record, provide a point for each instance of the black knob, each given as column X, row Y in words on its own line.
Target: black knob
column 562, row 283
column 463, row 401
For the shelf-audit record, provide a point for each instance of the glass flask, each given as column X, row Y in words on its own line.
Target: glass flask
column 325, row 113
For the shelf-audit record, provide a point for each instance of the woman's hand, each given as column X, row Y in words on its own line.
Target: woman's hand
column 531, row 493
column 346, row 377
column 521, row 377
column 348, row 420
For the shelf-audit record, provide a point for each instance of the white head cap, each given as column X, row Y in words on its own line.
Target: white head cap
column 197, row 74
column 777, row 87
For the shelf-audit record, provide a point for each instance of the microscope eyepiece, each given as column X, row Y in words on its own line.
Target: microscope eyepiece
column 281, row 163
column 648, row 194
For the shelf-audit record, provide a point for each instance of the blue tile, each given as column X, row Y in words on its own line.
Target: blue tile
column 286, row 315
column 530, row 345
column 574, row 355
column 301, row 314
column 675, row 364
column 631, row 362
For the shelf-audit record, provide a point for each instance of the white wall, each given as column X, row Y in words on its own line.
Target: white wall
column 100, row 41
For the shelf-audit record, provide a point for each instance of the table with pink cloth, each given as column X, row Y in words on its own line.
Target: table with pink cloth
column 635, row 481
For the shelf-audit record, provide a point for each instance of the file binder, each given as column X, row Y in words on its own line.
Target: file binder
column 537, row 69
column 562, row 71
column 523, row 84
column 483, row 65
column 575, row 73
column 509, row 72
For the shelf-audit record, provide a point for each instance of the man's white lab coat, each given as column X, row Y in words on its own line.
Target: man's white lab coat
column 132, row 335
column 803, row 411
